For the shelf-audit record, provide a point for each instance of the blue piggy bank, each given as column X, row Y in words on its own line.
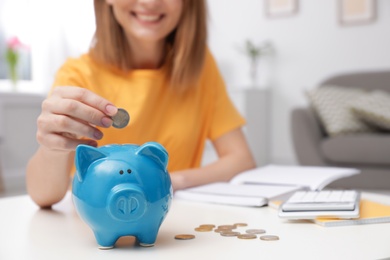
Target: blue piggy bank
column 122, row 190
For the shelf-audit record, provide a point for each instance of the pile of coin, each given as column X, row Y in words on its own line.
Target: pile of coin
column 205, row 228
column 230, row 231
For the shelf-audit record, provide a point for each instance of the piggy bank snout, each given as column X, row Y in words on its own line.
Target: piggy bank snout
column 126, row 202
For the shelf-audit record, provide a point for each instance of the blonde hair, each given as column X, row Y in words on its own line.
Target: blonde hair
column 186, row 45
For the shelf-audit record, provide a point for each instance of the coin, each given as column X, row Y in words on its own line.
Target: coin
column 184, row 236
column 269, row 238
column 121, row 119
column 226, row 227
column 240, row 224
column 207, row 226
column 246, row 236
column 203, row 229
column 255, row 231
column 229, row 233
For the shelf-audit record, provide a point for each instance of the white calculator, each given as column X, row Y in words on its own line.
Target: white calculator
column 324, row 203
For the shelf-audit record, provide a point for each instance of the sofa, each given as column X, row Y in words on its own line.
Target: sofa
column 367, row 150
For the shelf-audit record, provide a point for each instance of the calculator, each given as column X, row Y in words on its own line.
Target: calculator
column 324, row 203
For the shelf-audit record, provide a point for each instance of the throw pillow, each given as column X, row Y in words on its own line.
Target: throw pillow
column 374, row 109
column 331, row 103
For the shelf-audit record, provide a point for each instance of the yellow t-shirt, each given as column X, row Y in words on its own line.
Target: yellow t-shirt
column 181, row 123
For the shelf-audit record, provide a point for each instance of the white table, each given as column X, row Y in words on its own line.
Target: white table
column 26, row 232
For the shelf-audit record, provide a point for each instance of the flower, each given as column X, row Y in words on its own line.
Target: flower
column 12, row 56
column 14, row 43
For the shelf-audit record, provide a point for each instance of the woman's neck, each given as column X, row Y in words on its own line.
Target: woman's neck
column 147, row 55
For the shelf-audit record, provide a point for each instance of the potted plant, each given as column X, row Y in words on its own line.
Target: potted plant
column 12, row 57
column 255, row 52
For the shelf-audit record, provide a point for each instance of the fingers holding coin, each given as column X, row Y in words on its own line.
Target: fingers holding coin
column 87, row 97
column 60, row 132
column 81, row 104
column 119, row 120
column 73, row 115
column 87, row 106
column 76, row 110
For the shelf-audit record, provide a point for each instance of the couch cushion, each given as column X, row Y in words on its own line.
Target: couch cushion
column 374, row 109
column 361, row 149
column 332, row 105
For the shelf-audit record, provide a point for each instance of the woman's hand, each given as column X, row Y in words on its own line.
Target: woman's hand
column 70, row 117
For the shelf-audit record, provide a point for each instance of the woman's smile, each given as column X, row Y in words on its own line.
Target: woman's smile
column 147, row 17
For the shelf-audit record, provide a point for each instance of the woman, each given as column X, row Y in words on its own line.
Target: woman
column 150, row 58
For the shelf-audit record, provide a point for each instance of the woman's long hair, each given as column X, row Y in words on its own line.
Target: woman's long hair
column 186, row 45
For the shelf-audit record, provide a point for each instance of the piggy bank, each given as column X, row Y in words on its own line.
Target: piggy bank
column 122, row 190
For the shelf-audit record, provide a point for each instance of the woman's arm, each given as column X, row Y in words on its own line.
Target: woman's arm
column 69, row 117
column 234, row 156
column 47, row 177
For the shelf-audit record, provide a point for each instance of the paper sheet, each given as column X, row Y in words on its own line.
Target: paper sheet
column 315, row 178
column 227, row 193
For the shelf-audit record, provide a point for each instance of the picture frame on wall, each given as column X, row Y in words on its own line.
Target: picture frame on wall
column 355, row 12
column 280, row 8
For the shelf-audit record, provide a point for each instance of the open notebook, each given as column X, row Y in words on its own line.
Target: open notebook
column 257, row 186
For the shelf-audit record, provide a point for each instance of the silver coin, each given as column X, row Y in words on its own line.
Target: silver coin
column 121, row 119
column 255, row 231
column 246, row 236
column 269, row 238
column 229, row 233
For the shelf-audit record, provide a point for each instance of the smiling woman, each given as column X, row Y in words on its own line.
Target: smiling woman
column 151, row 59
column 151, row 26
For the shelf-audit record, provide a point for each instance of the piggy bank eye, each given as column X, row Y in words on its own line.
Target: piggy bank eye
column 120, row 172
column 128, row 171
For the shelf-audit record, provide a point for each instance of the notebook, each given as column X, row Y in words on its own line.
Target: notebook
column 257, row 186
column 255, row 195
column 370, row 213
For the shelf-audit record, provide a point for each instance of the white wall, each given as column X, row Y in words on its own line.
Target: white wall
column 53, row 29
column 61, row 29
column 309, row 47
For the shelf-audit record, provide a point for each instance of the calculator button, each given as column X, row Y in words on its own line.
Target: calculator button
column 322, row 196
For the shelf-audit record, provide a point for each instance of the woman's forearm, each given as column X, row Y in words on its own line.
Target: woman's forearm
column 234, row 156
column 47, row 176
column 223, row 169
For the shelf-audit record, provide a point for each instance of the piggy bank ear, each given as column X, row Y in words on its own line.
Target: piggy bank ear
column 85, row 155
column 155, row 151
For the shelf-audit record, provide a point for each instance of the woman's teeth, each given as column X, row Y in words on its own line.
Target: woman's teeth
column 148, row 18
